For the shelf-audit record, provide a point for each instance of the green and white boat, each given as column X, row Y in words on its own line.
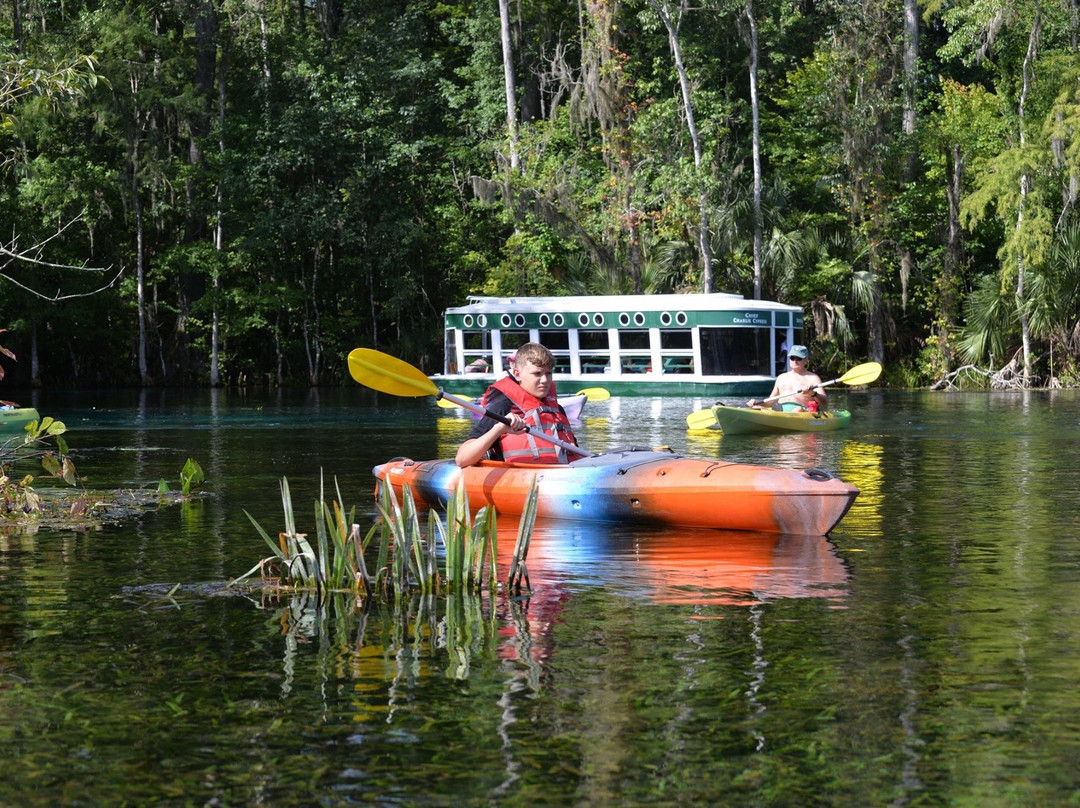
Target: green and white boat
column 14, row 420
column 694, row 344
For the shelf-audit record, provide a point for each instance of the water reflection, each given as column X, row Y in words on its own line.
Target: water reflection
column 861, row 465
column 684, row 565
column 423, row 636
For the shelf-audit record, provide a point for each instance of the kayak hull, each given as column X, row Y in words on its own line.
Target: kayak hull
column 14, row 421
column 641, row 486
column 750, row 421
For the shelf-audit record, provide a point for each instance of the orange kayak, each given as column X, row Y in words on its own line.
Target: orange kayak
column 639, row 485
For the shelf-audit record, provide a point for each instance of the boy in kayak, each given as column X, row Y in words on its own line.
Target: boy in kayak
column 527, row 397
column 799, row 388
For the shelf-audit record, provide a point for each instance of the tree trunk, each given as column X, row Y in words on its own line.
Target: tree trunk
column 140, row 269
column 672, row 26
column 35, row 363
column 954, row 253
column 508, row 80
column 907, row 171
column 219, row 226
column 313, row 323
column 911, row 85
column 756, row 138
column 17, row 26
column 1025, row 182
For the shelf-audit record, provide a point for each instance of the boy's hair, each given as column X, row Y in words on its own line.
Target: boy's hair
column 537, row 354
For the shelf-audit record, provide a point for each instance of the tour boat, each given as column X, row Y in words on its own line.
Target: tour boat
column 750, row 420
column 715, row 344
column 640, row 485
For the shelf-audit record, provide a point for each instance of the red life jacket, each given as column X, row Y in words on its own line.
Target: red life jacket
column 543, row 415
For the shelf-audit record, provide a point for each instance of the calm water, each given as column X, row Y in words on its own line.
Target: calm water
column 926, row 653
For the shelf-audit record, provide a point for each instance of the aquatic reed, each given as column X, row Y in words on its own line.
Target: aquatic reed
column 406, row 554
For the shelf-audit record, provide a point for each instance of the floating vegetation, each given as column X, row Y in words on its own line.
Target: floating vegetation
column 191, row 478
column 24, row 507
column 406, row 554
column 43, row 441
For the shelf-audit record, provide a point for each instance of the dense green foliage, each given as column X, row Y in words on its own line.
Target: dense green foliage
column 258, row 187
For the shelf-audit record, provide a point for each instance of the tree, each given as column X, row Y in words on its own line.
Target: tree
column 54, row 89
column 1017, row 185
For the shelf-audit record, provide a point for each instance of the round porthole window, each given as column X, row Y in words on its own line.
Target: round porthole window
column 639, row 318
column 467, row 321
column 680, row 318
column 505, row 320
column 598, row 319
column 583, row 319
column 545, row 321
column 481, row 320
column 519, row 320
column 559, row 320
column 624, row 318
column 665, row 318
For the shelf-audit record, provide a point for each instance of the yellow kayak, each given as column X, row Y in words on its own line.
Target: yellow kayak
column 749, row 421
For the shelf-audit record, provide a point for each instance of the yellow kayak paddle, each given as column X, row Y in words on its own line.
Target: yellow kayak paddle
column 388, row 374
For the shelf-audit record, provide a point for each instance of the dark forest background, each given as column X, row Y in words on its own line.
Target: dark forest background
column 241, row 191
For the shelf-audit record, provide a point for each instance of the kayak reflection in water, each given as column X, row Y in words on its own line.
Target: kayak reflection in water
column 799, row 388
column 527, row 399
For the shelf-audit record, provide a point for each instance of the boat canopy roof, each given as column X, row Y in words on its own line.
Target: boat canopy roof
column 713, row 301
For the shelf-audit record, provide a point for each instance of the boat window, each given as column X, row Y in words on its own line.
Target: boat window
column 450, row 351
column 595, row 363
column 735, row 351
column 634, row 340
column 474, row 340
column 555, row 340
column 678, row 364
column 636, row 363
column 677, row 346
column 512, row 340
column 558, row 342
column 593, row 340
column 676, row 339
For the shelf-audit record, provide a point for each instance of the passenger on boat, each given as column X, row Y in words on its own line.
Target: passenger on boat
column 527, row 398
column 799, row 388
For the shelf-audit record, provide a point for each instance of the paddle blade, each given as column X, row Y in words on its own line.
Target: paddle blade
column 595, row 394
column 388, row 374
column 447, row 404
column 701, row 419
column 862, row 374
